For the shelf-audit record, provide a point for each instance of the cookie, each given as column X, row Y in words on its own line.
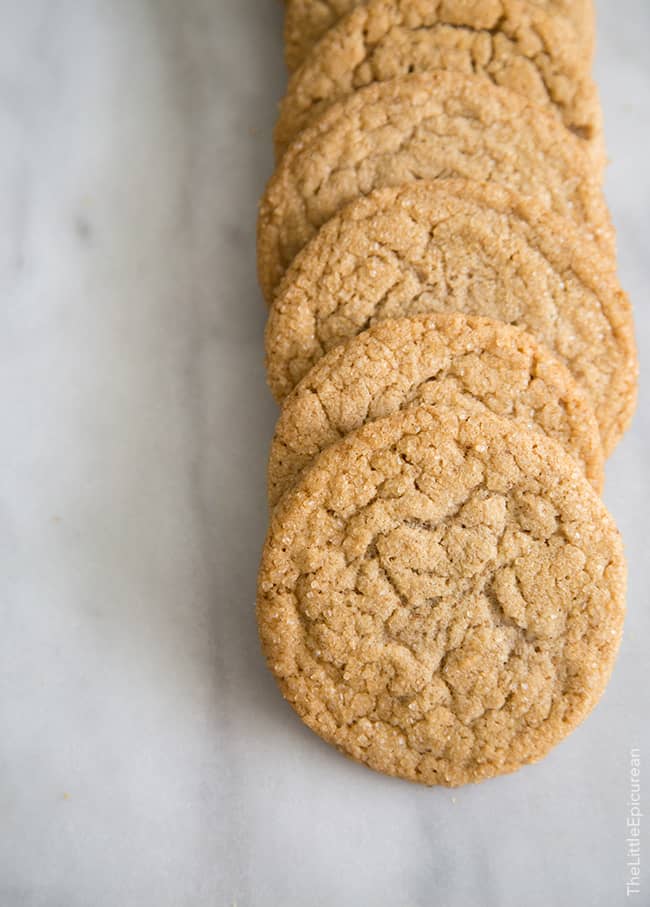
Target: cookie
column 528, row 51
column 442, row 596
column 307, row 21
column 425, row 126
column 432, row 359
column 475, row 248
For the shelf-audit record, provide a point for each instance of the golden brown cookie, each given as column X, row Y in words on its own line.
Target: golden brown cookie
column 432, row 359
column 442, row 595
column 427, row 126
column 307, row 21
column 528, row 51
column 450, row 246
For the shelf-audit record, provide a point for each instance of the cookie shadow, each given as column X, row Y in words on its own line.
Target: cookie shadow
column 227, row 78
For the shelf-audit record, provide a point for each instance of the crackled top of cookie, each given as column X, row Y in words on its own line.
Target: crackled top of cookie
column 528, row 51
column 450, row 246
column 432, row 359
column 307, row 21
column 425, row 126
column 442, row 596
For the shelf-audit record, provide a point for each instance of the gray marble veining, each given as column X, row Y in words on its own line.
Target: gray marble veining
column 145, row 755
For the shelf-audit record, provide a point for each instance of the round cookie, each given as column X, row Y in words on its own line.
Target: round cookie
column 432, row 359
column 459, row 246
column 442, row 596
column 425, row 126
column 307, row 21
column 528, row 51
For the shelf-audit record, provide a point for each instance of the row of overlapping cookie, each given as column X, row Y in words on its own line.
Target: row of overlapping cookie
column 442, row 592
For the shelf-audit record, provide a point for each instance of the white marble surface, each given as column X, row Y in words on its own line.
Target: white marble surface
column 145, row 755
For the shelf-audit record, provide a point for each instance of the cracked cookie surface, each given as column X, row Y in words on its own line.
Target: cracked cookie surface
column 307, row 21
column 442, row 595
column 459, row 246
column 528, row 51
column 432, row 359
column 426, row 126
